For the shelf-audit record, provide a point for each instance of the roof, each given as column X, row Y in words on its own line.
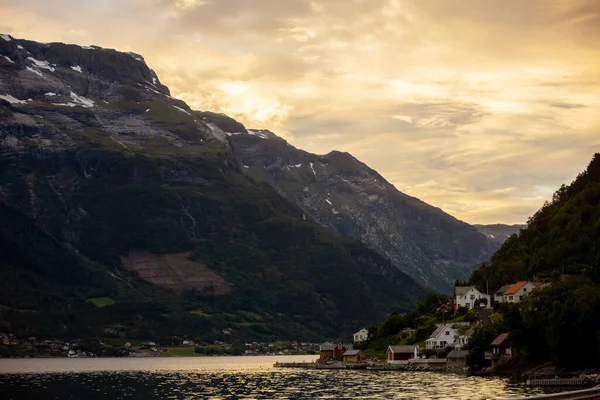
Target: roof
column 363, row 329
column 443, row 307
column 330, row 346
column 457, row 354
column 461, row 290
column 501, row 338
column 469, row 332
column 402, row 349
column 440, row 329
column 503, row 289
column 514, row 288
column 352, row 352
column 437, row 331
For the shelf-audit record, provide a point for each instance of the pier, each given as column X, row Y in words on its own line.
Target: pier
column 556, row 382
column 586, row 394
column 436, row 365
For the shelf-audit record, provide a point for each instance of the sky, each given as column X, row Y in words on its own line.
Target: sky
column 482, row 108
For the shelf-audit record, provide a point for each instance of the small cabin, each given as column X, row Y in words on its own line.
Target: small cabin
column 354, row 356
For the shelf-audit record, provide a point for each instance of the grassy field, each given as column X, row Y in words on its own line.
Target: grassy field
column 382, row 355
column 101, row 301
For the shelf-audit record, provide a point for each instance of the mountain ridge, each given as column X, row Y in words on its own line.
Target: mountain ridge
column 344, row 194
column 100, row 166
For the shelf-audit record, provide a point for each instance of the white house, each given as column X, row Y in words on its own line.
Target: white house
column 444, row 336
column 468, row 296
column 361, row 335
column 517, row 292
column 463, row 339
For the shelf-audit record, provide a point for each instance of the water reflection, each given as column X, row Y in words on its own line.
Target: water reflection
column 231, row 378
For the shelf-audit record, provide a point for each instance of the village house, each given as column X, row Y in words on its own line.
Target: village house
column 401, row 354
column 329, row 352
column 501, row 349
column 469, row 296
column 354, row 356
column 443, row 309
column 499, row 294
column 517, row 292
column 444, row 336
column 361, row 335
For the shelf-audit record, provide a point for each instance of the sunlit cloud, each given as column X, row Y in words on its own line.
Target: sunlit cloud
column 476, row 107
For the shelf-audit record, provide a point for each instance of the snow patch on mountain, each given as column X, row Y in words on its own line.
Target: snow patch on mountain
column 77, row 101
column 8, row 59
column 35, row 71
column 257, row 133
column 5, row 37
column 42, row 64
column 77, row 68
column 11, row 99
column 182, row 110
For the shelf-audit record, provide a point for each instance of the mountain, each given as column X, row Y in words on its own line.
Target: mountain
column 345, row 195
column 112, row 191
column 563, row 237
column 499, row 233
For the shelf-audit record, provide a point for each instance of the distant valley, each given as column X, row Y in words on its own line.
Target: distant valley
column 125, row 212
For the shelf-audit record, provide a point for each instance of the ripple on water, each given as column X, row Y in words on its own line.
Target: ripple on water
column 258, row 381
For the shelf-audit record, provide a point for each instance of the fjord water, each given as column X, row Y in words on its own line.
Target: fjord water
column 230, row 378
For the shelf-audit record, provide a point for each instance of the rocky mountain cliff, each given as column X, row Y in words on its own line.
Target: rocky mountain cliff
column 113, row 191
column 499, row 233
column 345, row 195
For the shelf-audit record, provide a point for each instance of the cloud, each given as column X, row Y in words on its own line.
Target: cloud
column 453, row 102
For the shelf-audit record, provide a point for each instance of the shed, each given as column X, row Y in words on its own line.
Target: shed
column 401, row 353
column 457, row 358
column 501, row 347
column 354, row 356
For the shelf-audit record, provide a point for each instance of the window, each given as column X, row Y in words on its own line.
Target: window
column 524, row 289
column 472, row 297
column 520, row 297
column 510, row 297
column 447, row 333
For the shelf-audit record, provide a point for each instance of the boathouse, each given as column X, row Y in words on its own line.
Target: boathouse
column 401, row 354
column 457, row 359
column 330, row 351
column 501, row 349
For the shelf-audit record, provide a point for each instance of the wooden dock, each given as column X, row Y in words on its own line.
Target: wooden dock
column 360, row 366
column 305, row 365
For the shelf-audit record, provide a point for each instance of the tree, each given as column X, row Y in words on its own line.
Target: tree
column 479, row 343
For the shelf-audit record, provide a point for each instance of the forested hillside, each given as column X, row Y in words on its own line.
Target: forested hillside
column 563, row 237
column 559, row 321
